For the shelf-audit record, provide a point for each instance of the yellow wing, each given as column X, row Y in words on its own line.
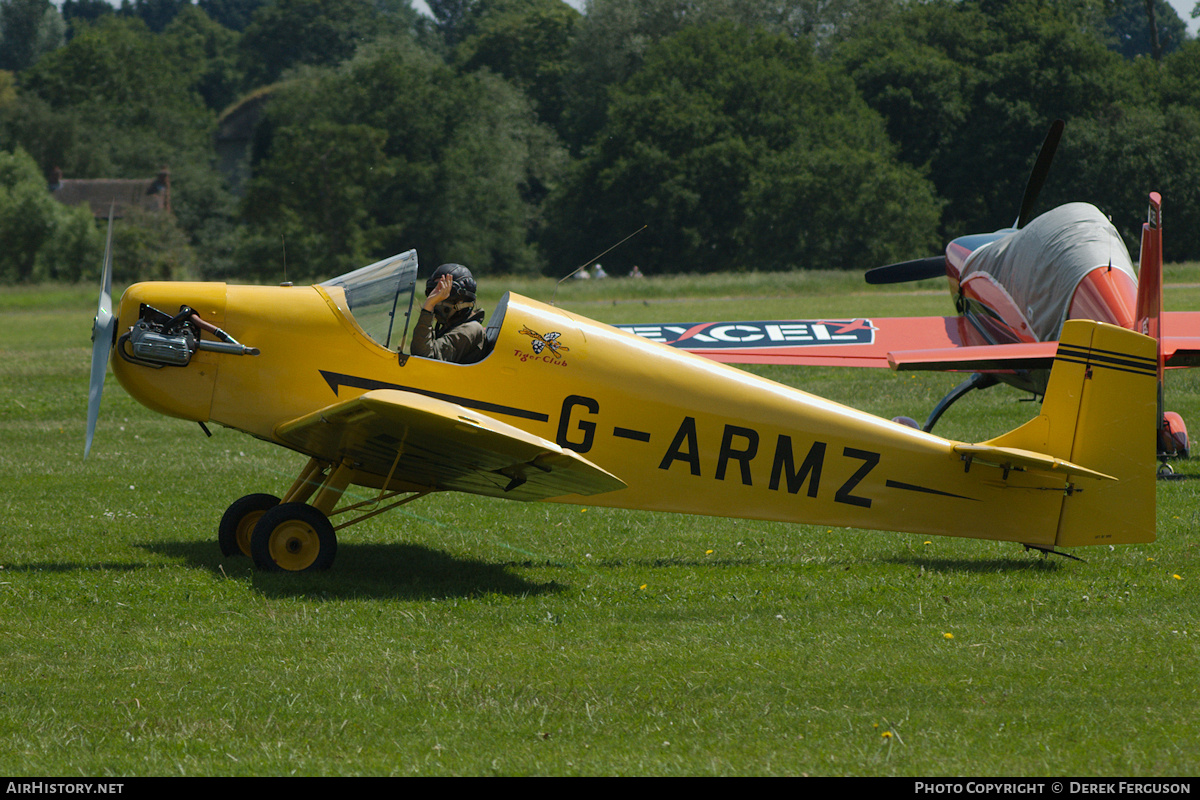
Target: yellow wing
column 431, row 443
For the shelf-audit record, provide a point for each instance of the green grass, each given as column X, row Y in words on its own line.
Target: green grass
column 468, row 636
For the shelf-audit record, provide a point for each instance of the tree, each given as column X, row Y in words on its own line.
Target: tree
column 1146, row 27
column 157, row 14
column 287, row 33
column 28, row 30
column 8, row 90
column 395, row 150
column 205, row 55
column 970, row 88
column 1116, row 159
column 1178, row 79
column 615, row 35
column 43, row 239
column 75, row 12
column 320, row 174
column 453, row 19
column 128, row 121
column 232, row 14
column 740, row 150
column 528, row 43
column 93, row 109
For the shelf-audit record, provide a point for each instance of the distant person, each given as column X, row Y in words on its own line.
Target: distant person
column 450, row 327
column 635, row 272
column 600, row 273
column 583, row 275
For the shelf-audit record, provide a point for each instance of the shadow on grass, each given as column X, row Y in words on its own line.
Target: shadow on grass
column 72, row 566
column 403, row 571
column 985, row 566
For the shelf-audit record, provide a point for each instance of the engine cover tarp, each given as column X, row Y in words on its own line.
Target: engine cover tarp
column 1041, row 264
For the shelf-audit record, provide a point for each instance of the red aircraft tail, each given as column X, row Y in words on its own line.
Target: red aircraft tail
column 1149, row 297
column 1172, row 433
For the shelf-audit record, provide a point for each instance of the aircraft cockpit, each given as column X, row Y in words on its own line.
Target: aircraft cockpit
column 379, row 297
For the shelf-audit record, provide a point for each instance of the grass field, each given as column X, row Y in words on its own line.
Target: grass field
column 474, row 637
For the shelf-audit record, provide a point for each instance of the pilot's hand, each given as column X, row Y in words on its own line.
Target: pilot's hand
column 440, row 292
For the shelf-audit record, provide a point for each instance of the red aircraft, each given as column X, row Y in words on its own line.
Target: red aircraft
column 1012, row 288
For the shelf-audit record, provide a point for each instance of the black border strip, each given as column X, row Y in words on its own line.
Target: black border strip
column 1089, row 362
column 1121, row 362
column 1107, row 355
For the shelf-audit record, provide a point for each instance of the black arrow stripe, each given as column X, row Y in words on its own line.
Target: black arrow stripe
column 924, row 490
column 336, row 379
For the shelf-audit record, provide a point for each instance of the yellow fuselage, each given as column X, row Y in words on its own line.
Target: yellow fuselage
column 684, row 433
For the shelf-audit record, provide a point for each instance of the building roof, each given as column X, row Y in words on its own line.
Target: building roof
column 149, row 194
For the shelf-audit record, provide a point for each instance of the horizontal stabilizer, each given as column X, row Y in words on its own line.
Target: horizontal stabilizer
column 431, row 443
column 1012, row 458
column 1181, row 339
column 1180, row 351
column 977, row 358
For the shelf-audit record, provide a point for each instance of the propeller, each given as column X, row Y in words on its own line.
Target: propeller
column 916, row 270
column 935, row 266
column 102, row 339
column 1041, row 168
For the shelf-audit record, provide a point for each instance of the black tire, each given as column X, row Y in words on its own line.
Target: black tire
column 233, row 534
column 293, row 537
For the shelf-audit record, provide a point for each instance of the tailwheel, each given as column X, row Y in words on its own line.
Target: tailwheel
column 233, row 534
column 293, row 537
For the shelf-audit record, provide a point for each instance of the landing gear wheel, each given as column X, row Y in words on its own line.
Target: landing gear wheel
column 293, row 537
column 1165, row 470
column 233, row 534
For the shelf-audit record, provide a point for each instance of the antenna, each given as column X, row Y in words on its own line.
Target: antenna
column 593, row 261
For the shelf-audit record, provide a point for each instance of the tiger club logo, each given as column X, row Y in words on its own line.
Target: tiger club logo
column 546, row 347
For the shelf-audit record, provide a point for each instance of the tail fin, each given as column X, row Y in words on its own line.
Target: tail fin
column 1172, row 433
column 1100, row 412
column 1149, row 298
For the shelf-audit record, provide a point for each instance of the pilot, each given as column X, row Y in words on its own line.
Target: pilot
column 450, row 327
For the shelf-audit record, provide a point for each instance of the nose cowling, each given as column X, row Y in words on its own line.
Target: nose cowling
column 157, row 373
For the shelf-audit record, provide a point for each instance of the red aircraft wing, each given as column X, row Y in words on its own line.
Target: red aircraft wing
column 862, row 342
column 902, row 343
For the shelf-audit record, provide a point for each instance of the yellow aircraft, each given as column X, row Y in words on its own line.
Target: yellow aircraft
column 566, row 409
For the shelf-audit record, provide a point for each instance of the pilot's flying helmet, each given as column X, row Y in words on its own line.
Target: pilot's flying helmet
column 461, row 302
column 464, row 283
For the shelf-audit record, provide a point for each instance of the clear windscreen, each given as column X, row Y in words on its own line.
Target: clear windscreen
column 380, row 296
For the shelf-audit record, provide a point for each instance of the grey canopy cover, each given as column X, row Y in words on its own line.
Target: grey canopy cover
column 1041, row 264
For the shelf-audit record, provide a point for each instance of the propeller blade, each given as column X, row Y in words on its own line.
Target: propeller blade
column 102, row 337
column 1041, row 169
column 917, row 270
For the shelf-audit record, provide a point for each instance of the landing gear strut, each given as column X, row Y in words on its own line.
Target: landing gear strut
column 294, row 534
column 978, row 380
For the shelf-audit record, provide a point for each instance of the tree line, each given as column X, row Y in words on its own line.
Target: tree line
column 525, row 136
